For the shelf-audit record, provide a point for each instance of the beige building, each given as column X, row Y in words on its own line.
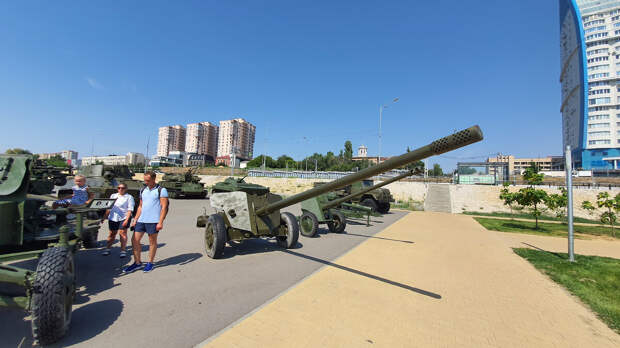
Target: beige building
column 517, row 166
column 67, row 154
column 202, row 139
column 237, row 135
column 132, row 158
column 171, row 138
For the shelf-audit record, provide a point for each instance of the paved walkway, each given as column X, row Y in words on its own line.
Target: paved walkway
column 456, row 285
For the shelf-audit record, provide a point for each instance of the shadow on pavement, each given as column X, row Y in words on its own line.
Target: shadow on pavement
column 368, row 275
column 90, row 320
column 537, row 248
column 182, row 259
column 375, row 237
column 252, row 246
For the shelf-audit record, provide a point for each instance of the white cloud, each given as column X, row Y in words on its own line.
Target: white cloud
column 94, row 83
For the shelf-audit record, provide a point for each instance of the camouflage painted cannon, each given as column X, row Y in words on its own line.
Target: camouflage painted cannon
column 30, row 229
column 186, row 185
column 321, row 210
column 254, row 212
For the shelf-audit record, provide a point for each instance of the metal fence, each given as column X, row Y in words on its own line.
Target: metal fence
column 300, row 174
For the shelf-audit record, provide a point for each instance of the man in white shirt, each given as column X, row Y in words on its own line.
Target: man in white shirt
column 119, row 219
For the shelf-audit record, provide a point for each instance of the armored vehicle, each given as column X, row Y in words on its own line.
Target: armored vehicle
column 378, row 200
column 29, row 229
column 253, row 212
column 321, row 209
column 186, row 185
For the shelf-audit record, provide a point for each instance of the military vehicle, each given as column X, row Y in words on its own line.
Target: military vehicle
column 378, row 200
column 30, row 229
column 320, row 209
column 251, row 211
column 102, row 181
column 186, row 185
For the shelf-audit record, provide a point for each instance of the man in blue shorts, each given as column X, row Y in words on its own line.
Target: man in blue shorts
column 149, row 219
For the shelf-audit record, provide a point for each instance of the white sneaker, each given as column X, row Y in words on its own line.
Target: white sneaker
column 122, row 254
column 105, row 252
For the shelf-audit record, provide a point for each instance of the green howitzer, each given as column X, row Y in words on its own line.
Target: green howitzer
column 30, row 229
column 254, row 212
column 320, row 210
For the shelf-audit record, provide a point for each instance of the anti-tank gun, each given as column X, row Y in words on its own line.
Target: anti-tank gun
column 321, row 210
column 255, row 212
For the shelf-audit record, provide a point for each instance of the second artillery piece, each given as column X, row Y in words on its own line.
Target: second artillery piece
column 255, row 212
column 320, row 210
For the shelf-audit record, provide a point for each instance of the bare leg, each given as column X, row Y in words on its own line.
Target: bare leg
column 152, row 246
column 111, row 238
column 135, row 242
column 122, row 235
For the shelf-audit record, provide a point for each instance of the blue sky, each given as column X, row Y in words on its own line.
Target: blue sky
column 309, row 74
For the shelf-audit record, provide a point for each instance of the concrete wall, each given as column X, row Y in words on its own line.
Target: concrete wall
column 480, row 198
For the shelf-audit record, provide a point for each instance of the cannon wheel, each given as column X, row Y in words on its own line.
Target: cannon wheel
column 338, row 223
column 52, row 298
column 308, row 224
column 384, row 208
column 370, row 203
column 215, row 236
column 292, row 231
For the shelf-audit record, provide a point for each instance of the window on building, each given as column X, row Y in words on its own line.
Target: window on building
column 602, row 100
column 598, row 59
column 598, row 75
column 600, row 83
column 598, row 51
column 599, row 133
column 598, row 125
column 597, row 43
column 599, row 91
column 596, row 36
column 599, row 142
column 593, row 29
column 599, row 117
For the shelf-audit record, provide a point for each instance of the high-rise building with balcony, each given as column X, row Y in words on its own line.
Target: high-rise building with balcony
column 236, row 135
column 171, row 138
column 202, row 139
column 590, row 79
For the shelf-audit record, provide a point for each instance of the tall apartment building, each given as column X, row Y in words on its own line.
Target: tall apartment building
column 171, row 138
column 590, row 79
column 237, row 134
column 202, row 139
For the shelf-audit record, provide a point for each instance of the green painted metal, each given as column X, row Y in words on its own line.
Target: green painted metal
column 22, row 302
column 21, row 256
column 14, row 275
column 186, row 185
column 445, row 144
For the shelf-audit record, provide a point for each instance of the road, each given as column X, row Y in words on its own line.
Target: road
column 188, row 297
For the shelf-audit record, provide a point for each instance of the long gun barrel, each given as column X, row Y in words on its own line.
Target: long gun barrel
column 337, row 202
column 437, row 147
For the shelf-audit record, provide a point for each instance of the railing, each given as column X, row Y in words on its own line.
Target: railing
column 300, row 174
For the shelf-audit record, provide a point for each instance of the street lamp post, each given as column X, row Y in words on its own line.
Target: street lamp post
column 381, row 107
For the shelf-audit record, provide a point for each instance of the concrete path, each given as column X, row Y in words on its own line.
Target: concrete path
column 456, row 285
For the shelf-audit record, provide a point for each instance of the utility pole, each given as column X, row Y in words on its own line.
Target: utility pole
column 381, row 107
column 569, row 205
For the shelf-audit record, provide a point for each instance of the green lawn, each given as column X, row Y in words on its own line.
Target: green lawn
column 544, row 228
column 595, row 280
column 528, row 216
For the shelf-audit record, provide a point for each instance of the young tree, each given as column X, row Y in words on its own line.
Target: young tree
column 557, row 203
column 57, row 161
column 603, row 200
column 529, row 196
column 348, row 150
column 508, row 197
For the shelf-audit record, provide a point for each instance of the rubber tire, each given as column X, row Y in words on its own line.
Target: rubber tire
column 90, row 239
column 217, row 228
column 52, row 297
column 292, row 228
column 370, row 203
column 337, row 227
column 384, row 208
column 314, row 227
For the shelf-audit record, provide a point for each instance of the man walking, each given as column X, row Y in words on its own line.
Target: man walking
column 149, row 219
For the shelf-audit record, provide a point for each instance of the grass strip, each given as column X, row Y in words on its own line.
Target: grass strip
column 594, row 279
column 544, row 229
column 528, row 216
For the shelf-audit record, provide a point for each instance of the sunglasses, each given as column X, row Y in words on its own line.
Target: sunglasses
column 121, row 188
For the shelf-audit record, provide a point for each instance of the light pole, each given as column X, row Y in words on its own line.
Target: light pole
column 381, row 107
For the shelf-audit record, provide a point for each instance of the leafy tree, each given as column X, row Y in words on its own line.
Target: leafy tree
column 588, row 206
column 282, row 160
column 467, row 170
column 532, row 176
column 557, row 203
column 348, row 150
column 436, row 171
column 57, row 161
column 257, row 162
column 529, row 196
column 17, row 151
column 612, row 206
column 508, row 197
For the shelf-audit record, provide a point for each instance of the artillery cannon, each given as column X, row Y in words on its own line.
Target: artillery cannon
column 253, row 212
column 30, row 229
column 320, row 210
column 186, row 185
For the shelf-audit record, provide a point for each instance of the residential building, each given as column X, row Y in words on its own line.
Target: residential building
column 590, row 81
column 70, row 155
column 202, row 139
column 132, row 158
column 516, row 166
column 171, row 138
column 362, row 151
column 236, row 136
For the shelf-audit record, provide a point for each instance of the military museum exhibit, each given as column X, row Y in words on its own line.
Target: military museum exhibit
column 252, row 211
column 31, row 229
column 186, row 185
